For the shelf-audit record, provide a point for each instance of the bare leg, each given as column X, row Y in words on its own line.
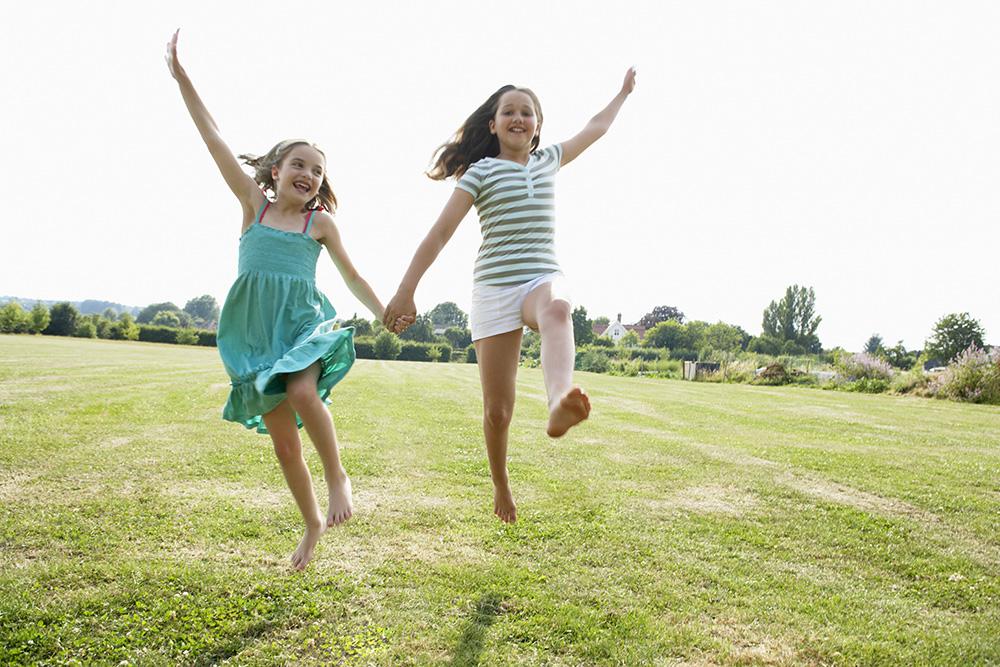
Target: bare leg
column 302, row 397
column 281, row 425
column 498, row 357
column 547, row 310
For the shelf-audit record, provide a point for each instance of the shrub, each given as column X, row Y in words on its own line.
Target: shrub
column 912, row 382
column 387, row 346
column 62, row 319
column 773, row 375
column 867, row 385
column 151, row 333
column 207, row 337
column 364, row 348
column 85, row 329
column 470, row 354
column 864, row 366
column 13, row 318
column 604, row 341
column 411, row 351
column 973, row 377
column 39, row 317
column 186, row 337
column 592, row 360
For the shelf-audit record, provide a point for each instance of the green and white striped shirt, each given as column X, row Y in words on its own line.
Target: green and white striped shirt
column 516, row 207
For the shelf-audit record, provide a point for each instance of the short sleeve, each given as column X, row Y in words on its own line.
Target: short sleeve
column 471, row 182
column 554, row 153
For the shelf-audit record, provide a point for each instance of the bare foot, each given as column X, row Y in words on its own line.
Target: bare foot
column 304, row 552
column 503, row 504
column 571, row 409
column 341, row 505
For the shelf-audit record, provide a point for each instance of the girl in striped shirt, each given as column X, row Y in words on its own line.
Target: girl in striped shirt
column 517, row 281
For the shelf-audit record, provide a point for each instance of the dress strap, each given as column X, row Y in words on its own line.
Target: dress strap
column 260, row 215
column 309, row 221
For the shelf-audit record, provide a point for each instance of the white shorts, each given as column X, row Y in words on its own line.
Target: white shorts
column 496, row 309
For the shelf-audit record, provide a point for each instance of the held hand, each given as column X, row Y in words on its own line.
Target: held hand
column 402, row 323
column 400, row 307
column 173, row 65
column 629, row 84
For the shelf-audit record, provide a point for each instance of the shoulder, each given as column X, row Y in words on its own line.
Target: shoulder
column 323, row 226
column 553, row 152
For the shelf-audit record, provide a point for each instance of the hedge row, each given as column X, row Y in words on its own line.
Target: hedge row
column 364, row 348
column 153, row 333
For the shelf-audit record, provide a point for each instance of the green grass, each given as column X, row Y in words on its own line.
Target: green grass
column 685, row 523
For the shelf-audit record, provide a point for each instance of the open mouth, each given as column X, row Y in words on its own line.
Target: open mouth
column 301, row 187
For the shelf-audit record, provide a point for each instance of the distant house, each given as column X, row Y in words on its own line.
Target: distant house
column 615, row 330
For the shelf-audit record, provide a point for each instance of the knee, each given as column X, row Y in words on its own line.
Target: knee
column 555, row 312
column 498, row 415
column 288, row 450
column 300, row 393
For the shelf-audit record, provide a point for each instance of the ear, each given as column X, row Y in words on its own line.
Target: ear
column 274, row 173
column 493, row 127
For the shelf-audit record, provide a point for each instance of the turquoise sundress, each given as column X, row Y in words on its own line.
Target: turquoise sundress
column 275, row 321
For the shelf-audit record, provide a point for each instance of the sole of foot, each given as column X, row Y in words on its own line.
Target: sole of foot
column 571, row 409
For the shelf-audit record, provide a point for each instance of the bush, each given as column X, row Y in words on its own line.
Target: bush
column 85, row 329
column 207, row 337
column 912, row 382
column 151, row 333
column 864, row 366
column 470, row 354
column 411, row 351
column 186, row 337
column 973, row 377
column 364, row 348
column 592, row 360
column 387, row 346
column 603, row 341
column 62, row 319
column 773, row 375
column 867, row 385
column 13, row 319
column 126, row 329
column 39, row 317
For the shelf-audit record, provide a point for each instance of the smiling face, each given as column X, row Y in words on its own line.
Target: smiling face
column 300, row 174
column 516, row 122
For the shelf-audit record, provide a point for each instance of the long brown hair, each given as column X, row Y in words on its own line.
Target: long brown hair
column 474, row 141
column 273, row 158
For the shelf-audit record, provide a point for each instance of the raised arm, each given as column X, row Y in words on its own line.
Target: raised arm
column 600, row 123
column 239, row 182
column 402, row 303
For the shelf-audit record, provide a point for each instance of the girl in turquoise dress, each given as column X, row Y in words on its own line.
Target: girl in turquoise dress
column 277, row 335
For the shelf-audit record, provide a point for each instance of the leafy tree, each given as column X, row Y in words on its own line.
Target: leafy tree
column 421, row 331
column 187, row 337
column 630, row 339
column 124, row 329
column 670, row 334
column 167, row 318
column 85, row 328
column 362, row 327
column 13, row 319
column 794, row 319
column 203, row 309
column 602, row 320
column 765, row 344
column 899, row 357
column 661, row 314
column 110, row 314
column 458, row 337
column 39, row 318
column 387, row 346
column 724, row 337
column 583, row 329
column 62, row 319
column 147, row 314
column 448, row 314
column 952, row 335
column 874, row 344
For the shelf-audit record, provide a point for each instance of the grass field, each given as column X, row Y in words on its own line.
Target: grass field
column 694, row 524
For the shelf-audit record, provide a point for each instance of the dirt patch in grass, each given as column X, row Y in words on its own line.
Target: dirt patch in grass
column 711, row 499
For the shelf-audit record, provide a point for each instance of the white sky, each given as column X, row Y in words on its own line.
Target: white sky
column 849, row 146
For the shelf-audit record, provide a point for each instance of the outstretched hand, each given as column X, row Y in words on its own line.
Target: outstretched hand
column 401, row 310
column 629, row 84
column 173, row 64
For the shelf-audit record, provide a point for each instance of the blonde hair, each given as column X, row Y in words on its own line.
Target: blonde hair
column 262, row 165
